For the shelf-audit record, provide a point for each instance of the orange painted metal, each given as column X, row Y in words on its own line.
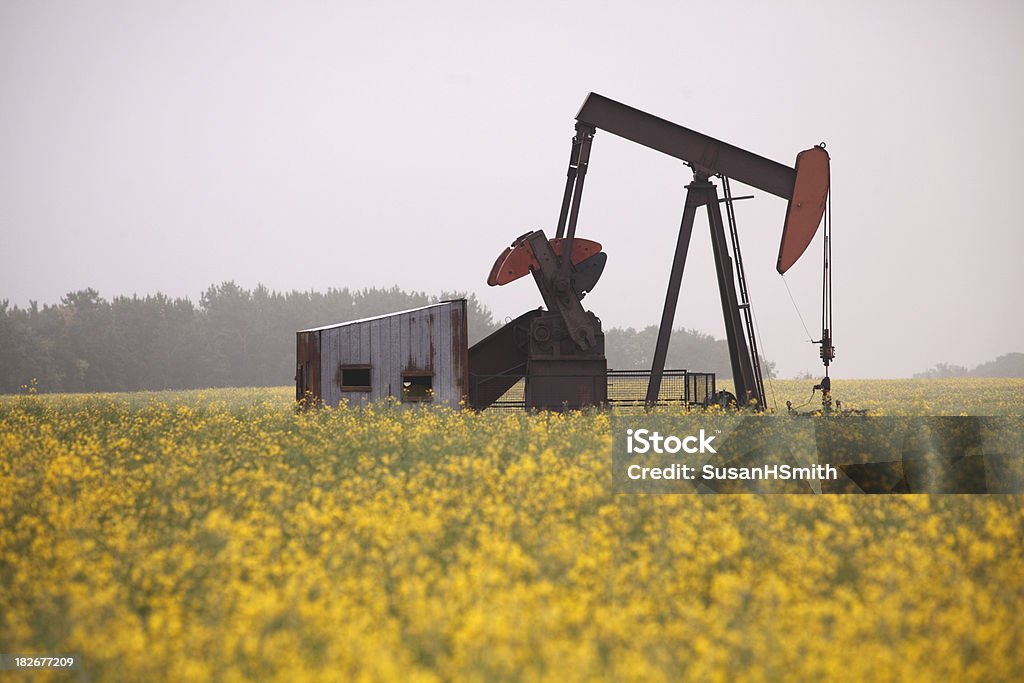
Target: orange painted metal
column 516, row 261
column 581, row 248
column 513, row 263
column 806, row 207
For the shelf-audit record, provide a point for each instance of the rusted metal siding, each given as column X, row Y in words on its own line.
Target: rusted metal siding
column 432, row 339
column 307, row 364
column 460, row 361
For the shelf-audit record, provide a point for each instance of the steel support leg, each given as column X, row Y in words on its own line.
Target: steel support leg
column 694, row 198
column 739, row 354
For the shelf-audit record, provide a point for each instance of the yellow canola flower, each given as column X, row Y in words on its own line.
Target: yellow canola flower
column 222, row 535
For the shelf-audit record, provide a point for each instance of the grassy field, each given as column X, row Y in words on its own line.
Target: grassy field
column 223, row 535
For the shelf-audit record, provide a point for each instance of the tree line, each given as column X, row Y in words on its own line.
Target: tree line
column 231, row 337
column 238, row 337
column 1007, row 365
column 631, row 349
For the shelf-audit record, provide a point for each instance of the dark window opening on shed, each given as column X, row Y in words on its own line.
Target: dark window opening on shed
column 354, row 377
column 417, row 386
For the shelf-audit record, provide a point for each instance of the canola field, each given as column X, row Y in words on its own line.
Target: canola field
column 223, row 535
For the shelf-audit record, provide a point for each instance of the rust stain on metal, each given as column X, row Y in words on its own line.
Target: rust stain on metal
column 460, row 353
column 430, row 341
column 411, row 365
column 307, row 368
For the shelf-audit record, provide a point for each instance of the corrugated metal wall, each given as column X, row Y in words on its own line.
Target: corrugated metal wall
column 426, row 340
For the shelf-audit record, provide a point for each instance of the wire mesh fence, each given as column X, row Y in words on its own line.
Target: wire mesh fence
column 627, row 390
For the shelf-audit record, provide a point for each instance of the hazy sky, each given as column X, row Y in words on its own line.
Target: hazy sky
column 166, row 146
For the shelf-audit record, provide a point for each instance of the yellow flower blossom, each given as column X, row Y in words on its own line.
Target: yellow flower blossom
column 223, row 535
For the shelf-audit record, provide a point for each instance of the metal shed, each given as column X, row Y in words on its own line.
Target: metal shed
column 416, row 356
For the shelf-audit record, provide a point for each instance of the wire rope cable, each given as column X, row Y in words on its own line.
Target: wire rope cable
column 797, row 309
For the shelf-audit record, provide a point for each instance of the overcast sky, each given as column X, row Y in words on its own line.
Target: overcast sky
column 164, row 146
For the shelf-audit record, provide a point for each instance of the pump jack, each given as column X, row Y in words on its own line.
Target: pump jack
column 560, row 352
